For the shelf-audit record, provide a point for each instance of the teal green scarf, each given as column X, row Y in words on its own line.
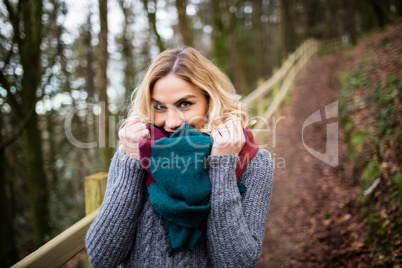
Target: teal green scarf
column 178, row 182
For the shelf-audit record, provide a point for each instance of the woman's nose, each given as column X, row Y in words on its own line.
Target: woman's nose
column 174, row 120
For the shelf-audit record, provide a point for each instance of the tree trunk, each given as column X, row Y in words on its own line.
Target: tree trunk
column 185, row 29
column 51, row 156
column 218, row 37
column 102, row 86
column 291, row 29
column 30, row 53
column 366, row 15
column 26, row 21
column 226, row 35
column 239, row 79
column 152, row 21
column 8, row 254
column 89, row 72
column 351, row 13
column 127, row 37
column 315, row 13
column 260, row 40
column 381, row 13
column 398, row 6
column 283, row 23
column 288, row 32
column 37, row 184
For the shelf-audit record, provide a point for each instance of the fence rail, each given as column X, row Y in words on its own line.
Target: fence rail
column 66, row 245
column 62, row 248
column 280, row 82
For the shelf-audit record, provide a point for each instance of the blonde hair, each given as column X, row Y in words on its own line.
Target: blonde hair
column 188, row 64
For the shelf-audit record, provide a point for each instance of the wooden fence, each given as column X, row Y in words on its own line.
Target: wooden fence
column 267, row 97
column 69, row 243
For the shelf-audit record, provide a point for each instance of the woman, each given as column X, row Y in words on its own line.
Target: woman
column 217, row 220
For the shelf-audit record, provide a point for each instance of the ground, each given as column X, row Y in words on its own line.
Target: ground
column 313, row 219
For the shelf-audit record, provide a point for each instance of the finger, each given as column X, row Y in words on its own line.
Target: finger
column 122, row 134
column 222, row 128
column 225, row 132
column 215, row 134
column 134, row 134
column 239, row 129
column 136, row 137
column 145, row 134
column 224, row 138
column 126, row 132
column 240, row 133
column 238, row 138
column 232, row 130
column 135, row 128
column 132, row 121
column 234, row 135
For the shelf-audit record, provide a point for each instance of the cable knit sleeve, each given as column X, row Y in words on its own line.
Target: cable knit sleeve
column 236, row 223
column 111, row 235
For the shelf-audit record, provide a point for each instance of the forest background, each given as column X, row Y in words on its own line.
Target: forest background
column 64, row 87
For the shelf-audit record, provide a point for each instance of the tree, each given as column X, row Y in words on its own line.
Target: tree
column 23, row 85
column 260, row 37
column 88, row 56
column 224, row 42
column 103, row 57
column 9, row 254
column 351, row 20
column 150, row 7
column 218, row 36
column 127, row 48
column 288, row 34
column 381, row 12
column 185, row 29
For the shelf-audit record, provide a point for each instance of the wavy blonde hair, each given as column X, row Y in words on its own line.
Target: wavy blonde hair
column 188, row 64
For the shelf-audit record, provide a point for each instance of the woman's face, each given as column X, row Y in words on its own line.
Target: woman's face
column 176, row 102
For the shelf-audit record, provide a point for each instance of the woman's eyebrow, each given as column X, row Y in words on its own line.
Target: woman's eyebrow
column 155, row 100
column 189, row 96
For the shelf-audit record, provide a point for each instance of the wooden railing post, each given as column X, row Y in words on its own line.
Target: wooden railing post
column 260, row 105
column 95, row 187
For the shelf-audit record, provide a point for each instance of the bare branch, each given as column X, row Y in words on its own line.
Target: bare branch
column 10, row 96
column 11, row 12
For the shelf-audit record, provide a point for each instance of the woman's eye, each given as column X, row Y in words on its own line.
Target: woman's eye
column 185, row 104
column 159, row 106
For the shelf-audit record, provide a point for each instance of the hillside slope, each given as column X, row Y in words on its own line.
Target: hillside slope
column 319, row 215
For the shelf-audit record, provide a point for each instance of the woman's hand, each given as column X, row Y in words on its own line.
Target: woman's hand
column 131, row 135
column 228, row 138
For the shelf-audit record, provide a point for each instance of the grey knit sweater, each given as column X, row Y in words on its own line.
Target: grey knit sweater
column 128, row 232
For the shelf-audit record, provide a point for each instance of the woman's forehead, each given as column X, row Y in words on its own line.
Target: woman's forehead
column 173, row 88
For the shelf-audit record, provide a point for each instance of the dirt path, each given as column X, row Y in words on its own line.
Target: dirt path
column 307, row 194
